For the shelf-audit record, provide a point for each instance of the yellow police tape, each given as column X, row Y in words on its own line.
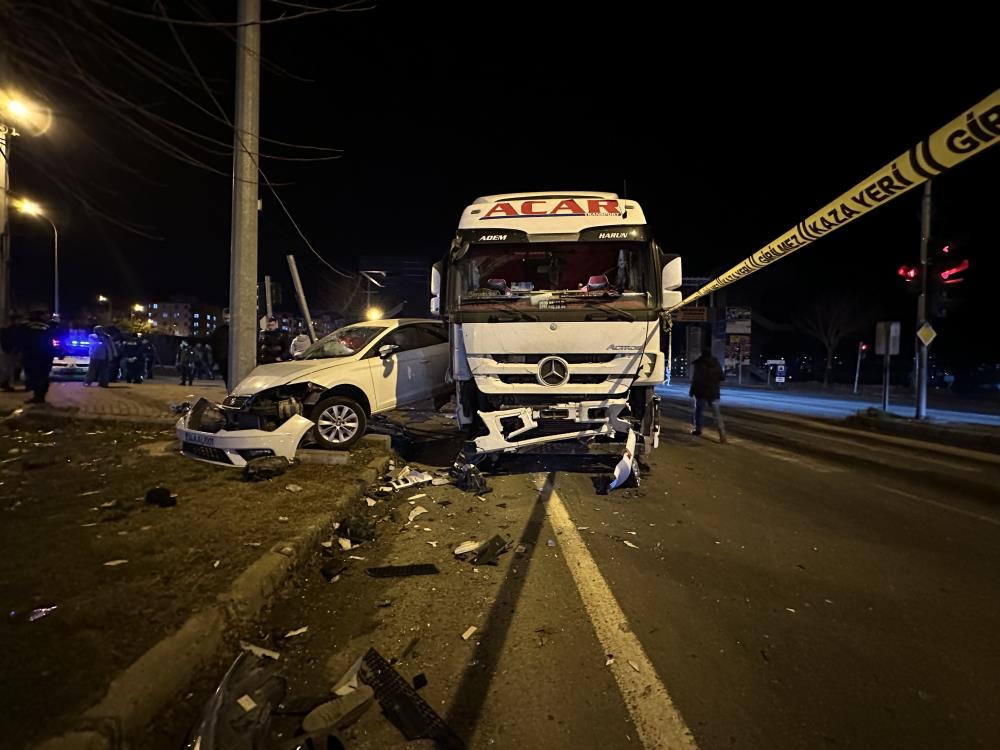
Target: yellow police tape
column 967, row 134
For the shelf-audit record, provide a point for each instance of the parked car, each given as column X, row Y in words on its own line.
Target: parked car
column 329, row 393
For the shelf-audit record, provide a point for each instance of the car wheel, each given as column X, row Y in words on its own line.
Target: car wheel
column 340, row 422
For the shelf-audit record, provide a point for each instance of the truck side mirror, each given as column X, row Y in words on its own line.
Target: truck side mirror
column 436, row 289
column 671, row 280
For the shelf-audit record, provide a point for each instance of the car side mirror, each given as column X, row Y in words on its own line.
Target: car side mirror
column 387, row 350
column 671, row 281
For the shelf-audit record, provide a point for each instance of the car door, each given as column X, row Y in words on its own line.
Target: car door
column 434, row 337
column 396, row 377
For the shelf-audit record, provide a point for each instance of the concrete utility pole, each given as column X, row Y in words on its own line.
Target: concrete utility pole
column 243, row 251
column 925, row 237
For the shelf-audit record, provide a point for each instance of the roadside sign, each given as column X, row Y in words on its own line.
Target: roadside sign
column 926, row 334
column 887, row 337
column 779, row 375
column 691, row 314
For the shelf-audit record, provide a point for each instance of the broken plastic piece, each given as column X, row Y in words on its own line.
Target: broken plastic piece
column 624, row 467
column 401, row 571
column 115, row 563
column 293, row 488
column 348, row 681
column 340, row 712
column 299, row 631
column 418, row 511
column 466, row 547
column 265, row 467
column 468, row 633
column 419, row 681
column 332, row 569
column 158, row 496
column 491, row 551
column 259, row 651
column 629, row 544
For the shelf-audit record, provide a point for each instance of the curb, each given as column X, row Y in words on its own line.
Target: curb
column 137, row 695
column 973, row 437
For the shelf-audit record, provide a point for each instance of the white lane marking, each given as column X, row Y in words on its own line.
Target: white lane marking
column 994, row 521
column 656, row 718
column 786, row 456
column 779, row 430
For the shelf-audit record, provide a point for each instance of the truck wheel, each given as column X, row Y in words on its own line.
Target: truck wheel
column 340, row 422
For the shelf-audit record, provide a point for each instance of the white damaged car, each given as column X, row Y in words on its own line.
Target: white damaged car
column 328, row 394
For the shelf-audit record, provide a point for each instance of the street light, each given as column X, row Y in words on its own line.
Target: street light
column 373, row 313
column 107, row 301
column 18, row 110
column 30, row 208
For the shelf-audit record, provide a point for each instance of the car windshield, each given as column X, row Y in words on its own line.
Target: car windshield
column 343, row 342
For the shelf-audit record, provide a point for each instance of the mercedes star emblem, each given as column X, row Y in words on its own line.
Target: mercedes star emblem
column 553, row 371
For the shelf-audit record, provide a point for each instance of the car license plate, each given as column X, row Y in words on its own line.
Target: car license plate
column 198, row 439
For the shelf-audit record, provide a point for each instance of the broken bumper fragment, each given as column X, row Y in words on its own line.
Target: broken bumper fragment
column 236, row 447
column 514, row 429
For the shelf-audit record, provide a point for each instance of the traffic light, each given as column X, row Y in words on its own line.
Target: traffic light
column 909, row 273
column 946, row 270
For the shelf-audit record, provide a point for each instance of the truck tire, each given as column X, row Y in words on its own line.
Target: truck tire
column 340, row 422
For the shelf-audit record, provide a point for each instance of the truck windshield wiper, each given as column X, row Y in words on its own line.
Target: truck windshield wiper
column 600, row 305
column 520, row 314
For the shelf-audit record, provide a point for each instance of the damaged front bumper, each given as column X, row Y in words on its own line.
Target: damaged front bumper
column 236, row 447
column 515, row 429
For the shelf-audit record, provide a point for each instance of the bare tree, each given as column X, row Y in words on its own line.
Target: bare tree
column 831, row 319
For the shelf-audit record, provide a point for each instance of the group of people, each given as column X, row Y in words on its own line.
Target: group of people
column 130, row 358
column 274, row 345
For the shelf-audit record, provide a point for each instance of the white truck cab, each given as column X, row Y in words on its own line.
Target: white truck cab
column 555, row 302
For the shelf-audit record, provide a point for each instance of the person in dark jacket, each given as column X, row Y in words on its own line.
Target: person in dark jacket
column 186, row 363
column 149, row 356
column 273, row 344
column 102, row 354
column 37, row 354
column 132, row 359
column 706, row 375
column 220, row 346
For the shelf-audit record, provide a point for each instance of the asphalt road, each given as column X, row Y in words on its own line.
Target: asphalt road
column 803, row 586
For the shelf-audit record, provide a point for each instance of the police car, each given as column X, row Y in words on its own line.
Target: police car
column 72, row 355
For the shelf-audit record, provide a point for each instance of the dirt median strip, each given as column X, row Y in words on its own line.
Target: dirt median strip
column 145, row 688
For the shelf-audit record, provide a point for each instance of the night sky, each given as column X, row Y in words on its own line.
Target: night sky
column 726, row 136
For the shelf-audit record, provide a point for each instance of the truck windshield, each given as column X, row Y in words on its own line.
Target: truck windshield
column 343, row 342
column 551, row 275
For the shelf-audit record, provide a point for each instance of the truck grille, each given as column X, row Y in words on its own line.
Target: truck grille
column 573, row 379
column 573, row 359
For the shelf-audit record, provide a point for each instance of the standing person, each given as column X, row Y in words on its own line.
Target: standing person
column 200, row 361
column 706, row 375
column 299, row 344
column 11, row 344
column 220, row 346
column 38, row 353
column 209, row 362
column 186, row 363
column 149, row 357
column 102, row 354
column 132, row 362
column 273, row 344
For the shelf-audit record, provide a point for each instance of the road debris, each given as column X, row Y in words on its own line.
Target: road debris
column 332, row 569
column 468, row 633
column 293, row 488
column 34, row 615
column 114, row 563
column 259, row 651
column 609, row 661
column 466, row 547
column 629, row 544
column 402, row 571
column 299, row 631
column 370, row 502
column 246, row 703
column 340, row 713
column 265, row 467
column 417, row 497
column 492, row 550
column 345, row 544
column 633, row 665
column 418, row 511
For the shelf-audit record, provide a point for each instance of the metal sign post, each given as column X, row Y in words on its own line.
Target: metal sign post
column 886, row 344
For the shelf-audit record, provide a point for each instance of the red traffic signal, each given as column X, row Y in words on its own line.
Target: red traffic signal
column 948, row 275
column 862, row 346
column 909, row 273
